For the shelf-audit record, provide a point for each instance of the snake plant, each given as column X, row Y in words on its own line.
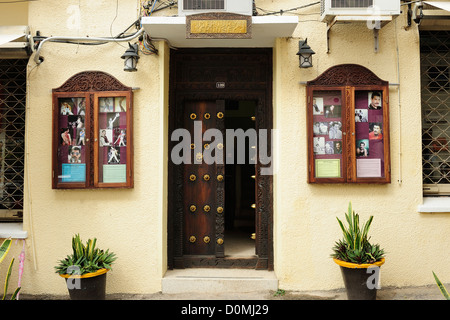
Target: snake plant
column 85, row 258
column 4, row 249
column 355, row 246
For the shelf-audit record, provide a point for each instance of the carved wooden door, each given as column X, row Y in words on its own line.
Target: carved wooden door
column 203, row 179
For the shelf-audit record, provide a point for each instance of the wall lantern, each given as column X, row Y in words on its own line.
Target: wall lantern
column 305, row 52
column 131, row 57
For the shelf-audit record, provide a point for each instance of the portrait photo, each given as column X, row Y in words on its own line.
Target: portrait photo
column 120, row 104
column 329, row 147
column 362, row 148
column 317, row 106
column 74, row 154
column 338, row 147
column 81, row 106
column 106, row 104
column 361, row 115
column 375, row 100
column 375, row 131
column 67, row 107
column 332, row 111
column 335, row 131
column 320, row 128
column 106, row 137
column 319, row 145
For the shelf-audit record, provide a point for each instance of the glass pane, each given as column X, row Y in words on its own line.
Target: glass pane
column 112, row 123
column 369, row 134
column 327, row 134
column 71, row 146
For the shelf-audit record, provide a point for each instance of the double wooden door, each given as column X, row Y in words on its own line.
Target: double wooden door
column 201, row 80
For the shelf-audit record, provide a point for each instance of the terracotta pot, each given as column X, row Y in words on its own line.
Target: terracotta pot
column 89, row 286
column 356, row 279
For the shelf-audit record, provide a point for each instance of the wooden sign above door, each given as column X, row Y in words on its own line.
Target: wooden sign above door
column 218, row 25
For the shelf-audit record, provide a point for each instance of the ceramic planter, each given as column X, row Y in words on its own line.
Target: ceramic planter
column 89, row 286
column 356, row 278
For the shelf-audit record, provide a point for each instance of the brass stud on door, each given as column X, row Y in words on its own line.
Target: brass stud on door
column 192, row 239
column 219, row 210
column 193, row 116
column 206, row 208
column 207, row 116
column 192, row 177
column 206, row 177
column 220, row 178
column 220, row 241
column 206, row 239
column 192, row 208
column 220, row 115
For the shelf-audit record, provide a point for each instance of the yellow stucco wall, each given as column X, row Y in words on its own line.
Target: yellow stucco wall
column 305, row 223
column 132, row 223
column 13, row 14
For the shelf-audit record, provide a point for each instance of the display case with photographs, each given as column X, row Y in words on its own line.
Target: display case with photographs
column 92, row 133
column 369, row 134
column 348, row 127
column 327, row 134
column 112, row 129
column 72, row 155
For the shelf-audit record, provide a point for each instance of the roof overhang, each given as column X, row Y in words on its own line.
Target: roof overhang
column 265, row 29
column 15, row 42
column 432, row 14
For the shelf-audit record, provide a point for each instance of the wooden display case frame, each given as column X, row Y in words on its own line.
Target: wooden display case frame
column 349, row 80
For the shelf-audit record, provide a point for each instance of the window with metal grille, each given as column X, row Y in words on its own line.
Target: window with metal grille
column 12, row 137
column 435, row 90
column 203, row 4
column 351, row 3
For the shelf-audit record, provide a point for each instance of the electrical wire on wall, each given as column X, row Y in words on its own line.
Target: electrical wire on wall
column 145, row 44
column 281, row 11
column 146, row 8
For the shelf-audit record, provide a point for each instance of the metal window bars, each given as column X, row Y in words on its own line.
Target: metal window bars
column 12, row 137
column 435, row 89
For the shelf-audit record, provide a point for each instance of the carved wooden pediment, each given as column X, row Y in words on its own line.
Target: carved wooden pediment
column 92, row 81
column 347, row 75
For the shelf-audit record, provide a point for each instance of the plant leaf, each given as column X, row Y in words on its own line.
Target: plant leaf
column 441, row 287
column 4, row 248
column 8, row 275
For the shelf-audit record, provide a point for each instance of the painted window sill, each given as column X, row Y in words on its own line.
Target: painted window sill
column 435, row 204
column 13, row 230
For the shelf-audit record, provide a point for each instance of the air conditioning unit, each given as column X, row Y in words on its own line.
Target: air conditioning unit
column 358, row 9
column 188, row 7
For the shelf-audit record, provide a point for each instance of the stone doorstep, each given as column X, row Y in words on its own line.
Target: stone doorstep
column 208, row 280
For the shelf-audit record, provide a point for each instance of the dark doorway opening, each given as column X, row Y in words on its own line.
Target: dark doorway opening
column 240, row 200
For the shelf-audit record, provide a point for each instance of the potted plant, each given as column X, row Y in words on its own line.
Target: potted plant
column 85, row 270
column 358, row 259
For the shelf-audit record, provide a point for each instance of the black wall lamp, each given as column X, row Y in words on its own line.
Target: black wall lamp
column 131, row 57
column 305, row 52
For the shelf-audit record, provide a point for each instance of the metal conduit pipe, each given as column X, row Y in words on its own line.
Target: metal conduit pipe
column 39, row 60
